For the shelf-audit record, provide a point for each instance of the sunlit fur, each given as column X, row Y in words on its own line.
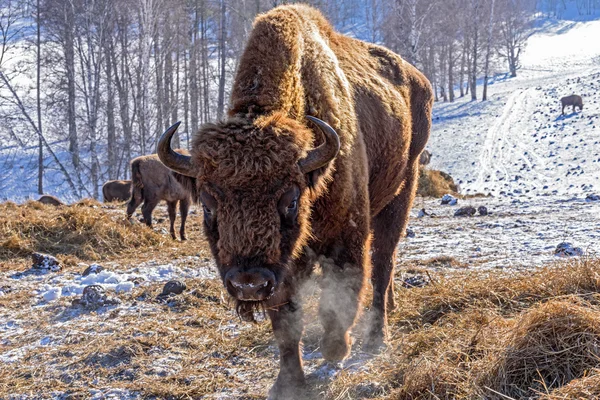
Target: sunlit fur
column 295, row 65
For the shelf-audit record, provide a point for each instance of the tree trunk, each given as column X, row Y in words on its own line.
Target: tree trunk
column 193, row 75
column 223, row 61
column 70, row 70
column 205, row 65
column 39, row 104
column 451, row 71
column 488, row 53
column 473, row 78
column 160, row 91
column 121, row 82
column 111, row 143
column 461, row 79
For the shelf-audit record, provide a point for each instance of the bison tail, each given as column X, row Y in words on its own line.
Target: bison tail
column 189, row 185
column 136, row 176
column 136, row 182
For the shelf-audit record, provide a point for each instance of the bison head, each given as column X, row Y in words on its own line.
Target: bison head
column 256, row 181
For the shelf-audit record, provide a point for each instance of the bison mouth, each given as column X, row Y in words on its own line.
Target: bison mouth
column 246, row 309
column 250, row 285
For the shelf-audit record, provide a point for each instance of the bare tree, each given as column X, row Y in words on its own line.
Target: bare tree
column 514, row 30
column 488, row 53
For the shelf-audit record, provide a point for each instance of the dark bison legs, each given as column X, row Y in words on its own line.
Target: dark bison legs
column 342, row 286
column 149, row 206
column 287, row 326
column 184, row 207
column 388, row 227
column 134, row 202
column 172, row 211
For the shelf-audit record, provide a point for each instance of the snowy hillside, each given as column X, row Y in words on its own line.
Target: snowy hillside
column 515, row 144
column 518, row 143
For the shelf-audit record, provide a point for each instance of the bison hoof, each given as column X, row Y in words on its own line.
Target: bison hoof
column 391, row 304
column 286, row 390
column 374, row 343
column 335, row 347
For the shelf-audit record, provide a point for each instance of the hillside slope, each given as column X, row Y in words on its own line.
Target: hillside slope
column 518, row 143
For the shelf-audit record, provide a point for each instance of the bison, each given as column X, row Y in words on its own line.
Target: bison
column 116, row 191
column 317, row 163
column 50, row 200
column 153, row 182
column 572, row 100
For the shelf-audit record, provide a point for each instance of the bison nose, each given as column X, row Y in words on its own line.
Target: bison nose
column 253, row 285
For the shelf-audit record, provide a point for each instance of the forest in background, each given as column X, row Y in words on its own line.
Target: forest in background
column 93, row 83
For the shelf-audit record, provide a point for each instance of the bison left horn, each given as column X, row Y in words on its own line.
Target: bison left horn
column 320, row 156
column 177, row 162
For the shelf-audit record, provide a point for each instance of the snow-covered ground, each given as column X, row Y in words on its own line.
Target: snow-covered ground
column 518, row 233
column 518, row 143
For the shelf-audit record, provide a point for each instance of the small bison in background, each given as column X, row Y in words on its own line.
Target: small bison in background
column 116, row 191
column 153, row 182
column 425, row 157
column 50, row 200
column 572, row 100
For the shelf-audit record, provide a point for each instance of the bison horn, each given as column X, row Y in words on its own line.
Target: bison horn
column 171, row 159
column 320, row 156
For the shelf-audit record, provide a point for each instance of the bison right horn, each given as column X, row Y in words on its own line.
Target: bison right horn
column 177, row 162
column 320, row 156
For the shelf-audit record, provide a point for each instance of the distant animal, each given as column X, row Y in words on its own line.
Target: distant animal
column 50, row 200
column 153, row 182
column 425, row 157
column 319, row 154
column 116, row 191
column 572, row 100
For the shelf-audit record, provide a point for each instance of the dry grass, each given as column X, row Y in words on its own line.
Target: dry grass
column 477, row 335
column 434, row 183
column 87, row 231
column 549, row 346
column 467, row 335
column 586, row 388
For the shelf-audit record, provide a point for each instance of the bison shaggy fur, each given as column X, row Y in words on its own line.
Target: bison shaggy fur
column 50, row 200
column 153, row 182
column 116, row 191
column 572, row 100
column 317, row 165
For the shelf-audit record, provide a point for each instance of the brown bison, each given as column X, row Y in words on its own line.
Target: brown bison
column 50, row 200
column 425, row 157
column 153, row 182
column 317, row 163
column 116, row 191
column 572, row 100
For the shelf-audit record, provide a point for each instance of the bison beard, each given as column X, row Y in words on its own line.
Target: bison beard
column 283, row 191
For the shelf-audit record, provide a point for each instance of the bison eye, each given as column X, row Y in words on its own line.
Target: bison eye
column 292, row 206
column 288, row 204
column 209, row 204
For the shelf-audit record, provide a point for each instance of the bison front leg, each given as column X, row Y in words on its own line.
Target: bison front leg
column 287, row 327
column 172, row 211
column 184, row 207
column 388, row 227
column 342, row 285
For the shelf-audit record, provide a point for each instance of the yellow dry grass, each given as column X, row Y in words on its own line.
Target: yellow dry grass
column 586, row 388
column 467, row 335
column 434, row 183
column 85, row 231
